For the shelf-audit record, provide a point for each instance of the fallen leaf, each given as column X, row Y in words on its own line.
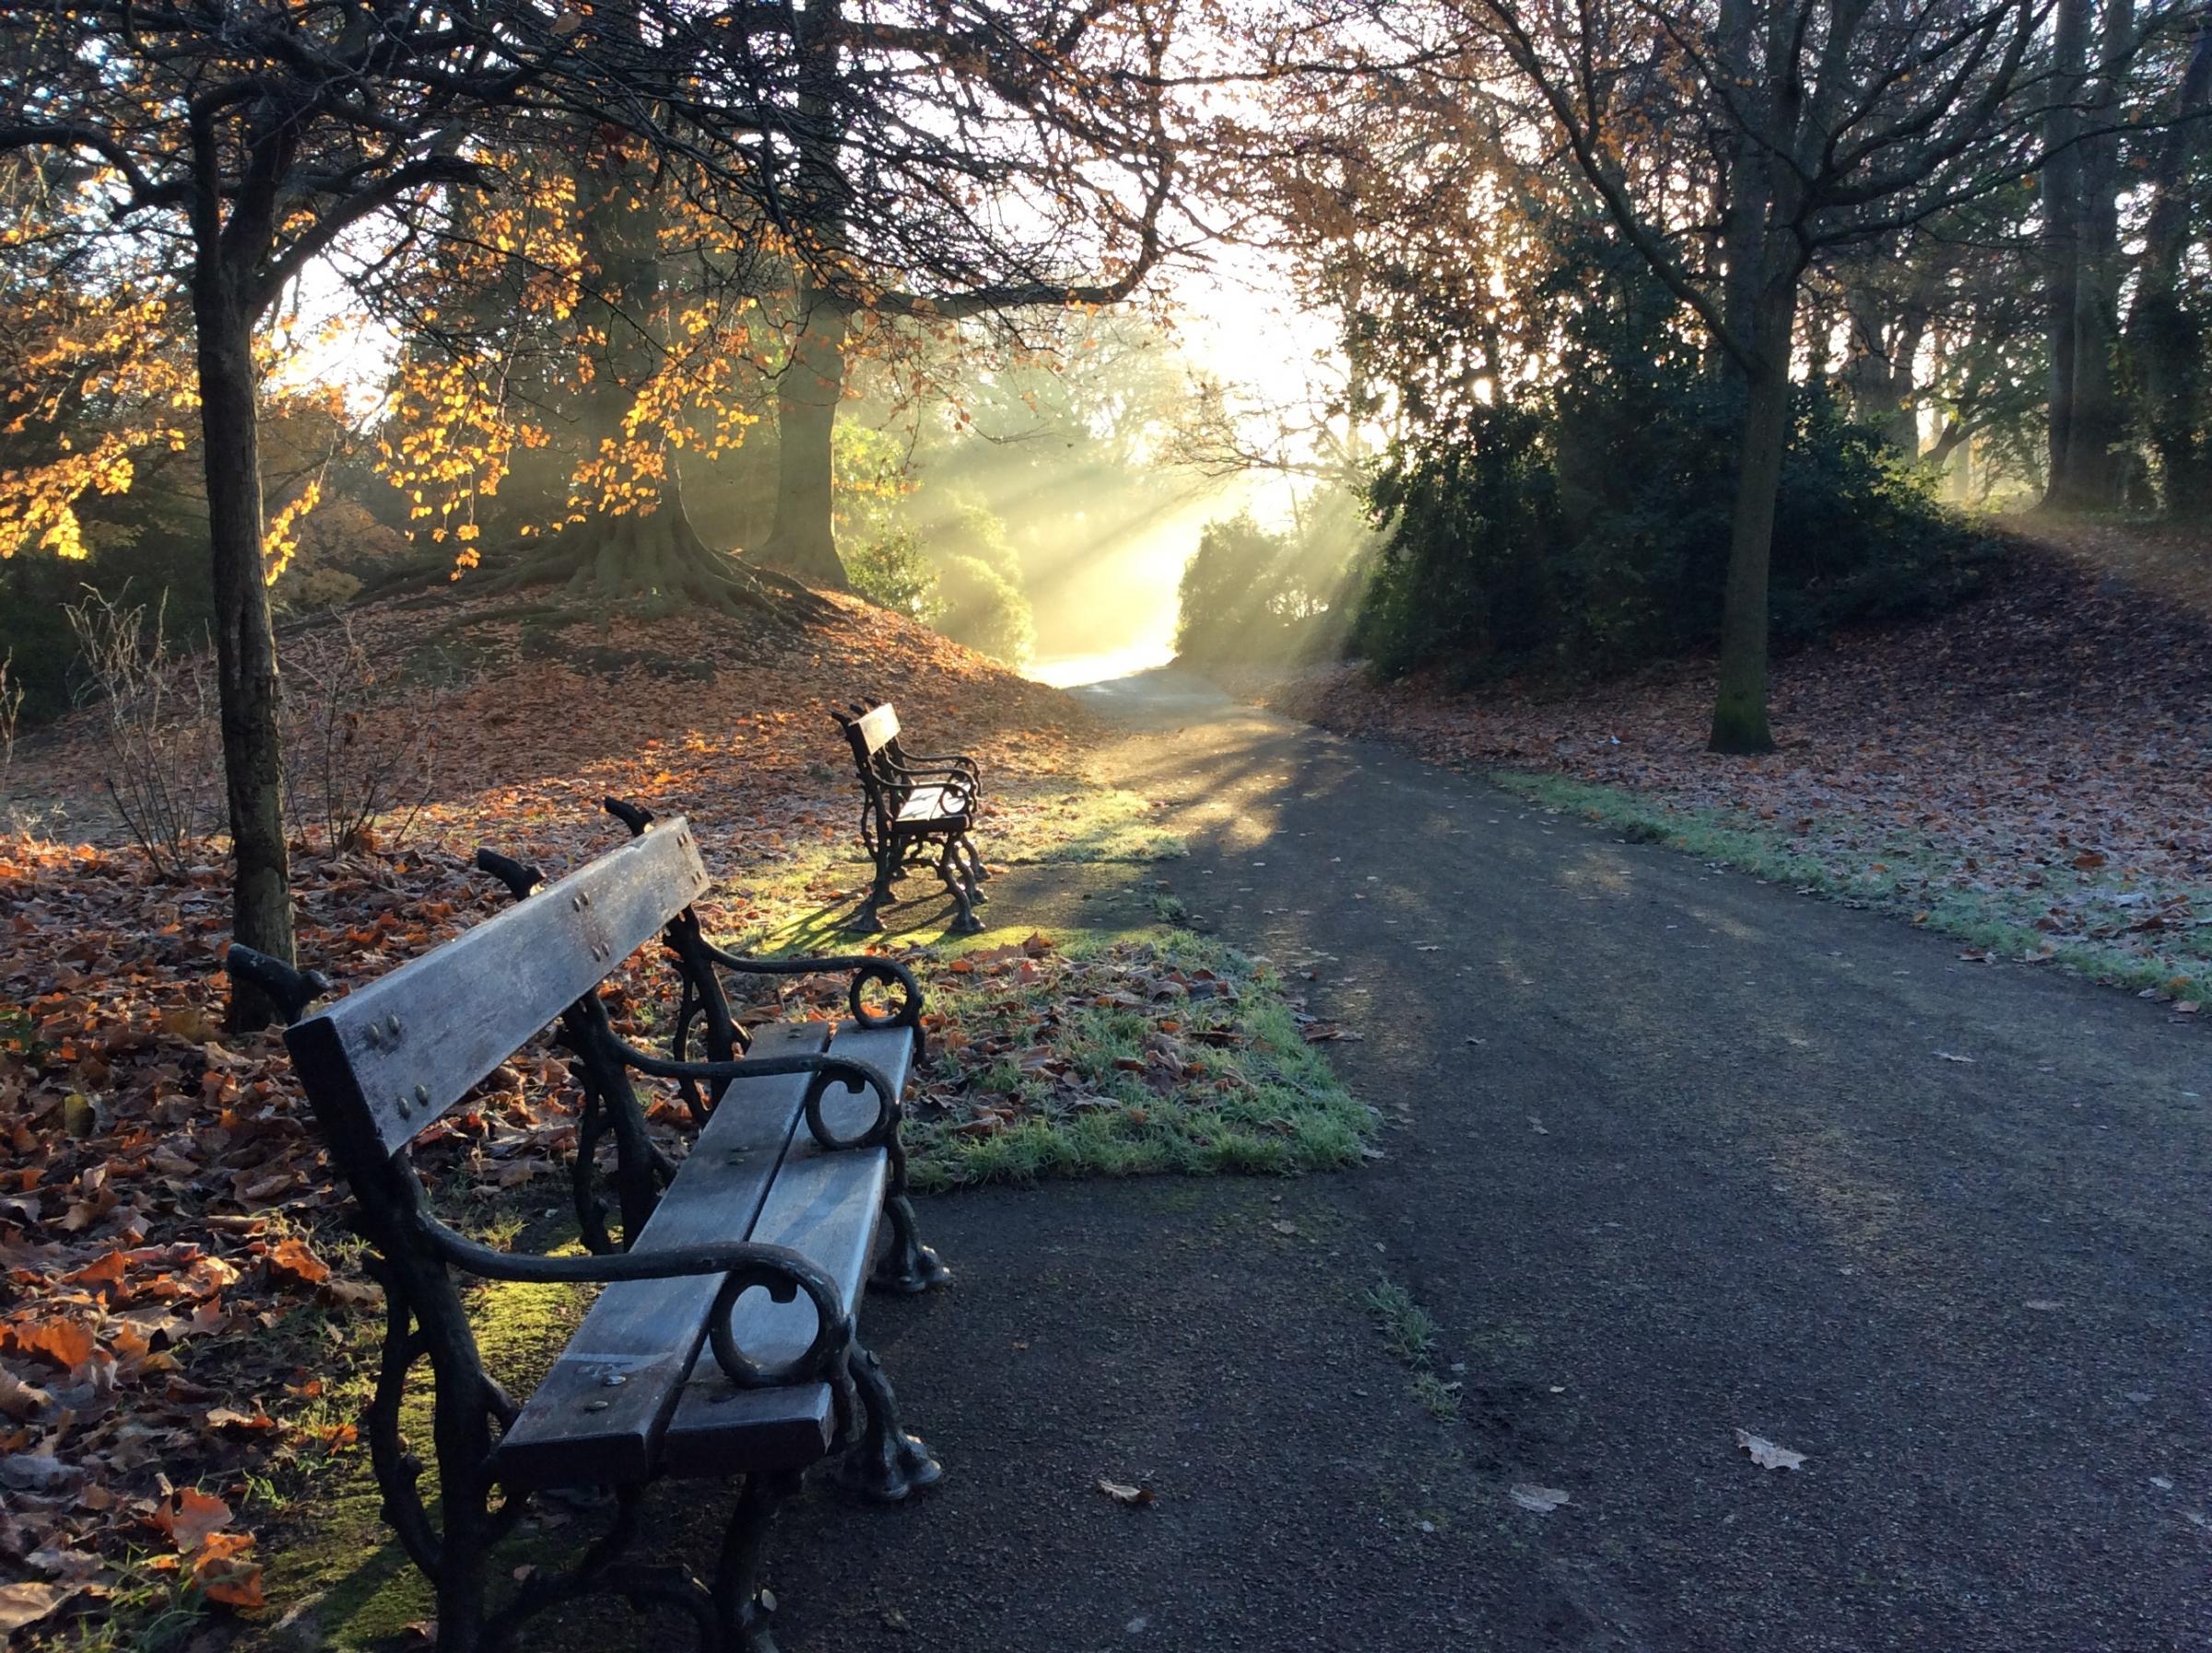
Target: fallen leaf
column 1541, row 1499
column 191, row 1024
column 224, row 1574
column 195, row 1515
column 1136, row 1498
column 67, row 1344
column 1946, row 1057
column 36, row 1472
column 292, row 1263
column 20, row 1400
column 1322, row 1033
column 1766, row 1454
column 22, row 1604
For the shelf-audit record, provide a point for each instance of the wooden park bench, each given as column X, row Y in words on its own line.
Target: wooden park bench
column 913, row 806
column 754, row 1245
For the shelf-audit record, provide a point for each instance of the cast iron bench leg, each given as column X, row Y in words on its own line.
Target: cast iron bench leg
column 886, row 1464
column 969, row 869
column 867, row 921
column 907, row 1267
column 966, row 923
column 977, row 871
column 742, row 1605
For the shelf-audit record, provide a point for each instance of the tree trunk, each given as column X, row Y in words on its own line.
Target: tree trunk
column 245, row 642
column 1744, row 215
column 2090, row 480
column 2062, row 235
column 2164, row 342
column 638, row 542
column 1739, row 712
column 803, row 540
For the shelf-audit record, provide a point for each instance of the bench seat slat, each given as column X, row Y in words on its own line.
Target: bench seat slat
column 577, row 1428
column 826, row 1204
column 927, row 803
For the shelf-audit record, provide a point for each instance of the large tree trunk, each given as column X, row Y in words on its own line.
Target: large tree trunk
column 2091, row 479
column 2164, row 341
column 2062, row 235
column 246, row 644
column 637, row 541
column 1739, row 712
column 1744, row 215
column 804, row 540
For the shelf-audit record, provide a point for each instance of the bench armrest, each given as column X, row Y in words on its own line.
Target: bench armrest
column 959, row 760
column 911, row 769
column 826, row 1070
column 779, row 1270
column 866, row 968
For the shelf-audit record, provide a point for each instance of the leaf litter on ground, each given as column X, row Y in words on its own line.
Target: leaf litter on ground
column 178, row 1301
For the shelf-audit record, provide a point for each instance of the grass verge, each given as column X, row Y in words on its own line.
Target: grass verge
column 1121, row 1055
column 2100, row 926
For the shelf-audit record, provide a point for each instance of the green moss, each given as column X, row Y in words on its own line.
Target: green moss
column 330, row 1556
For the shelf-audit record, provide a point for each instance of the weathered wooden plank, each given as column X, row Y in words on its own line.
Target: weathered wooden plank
column 415, row 1041
column 934, row 803
column 826, row 1205
column 580, row 1428
column 877, row 730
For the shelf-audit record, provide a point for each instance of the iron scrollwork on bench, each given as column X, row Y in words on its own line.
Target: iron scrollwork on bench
column 907, row 1267
column 698, row 1308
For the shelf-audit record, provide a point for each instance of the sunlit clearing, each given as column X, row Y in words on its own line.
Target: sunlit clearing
column 1107, row 607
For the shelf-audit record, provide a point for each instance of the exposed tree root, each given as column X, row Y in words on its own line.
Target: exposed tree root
column 658, row 559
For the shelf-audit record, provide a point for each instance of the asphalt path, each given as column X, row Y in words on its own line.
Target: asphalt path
column 1669, row 1155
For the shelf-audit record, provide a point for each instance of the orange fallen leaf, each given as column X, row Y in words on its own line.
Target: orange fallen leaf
column 224, row 1574
column 102, row 1271
column 292, row 1263
column 194, row 1517
column 67, row 1344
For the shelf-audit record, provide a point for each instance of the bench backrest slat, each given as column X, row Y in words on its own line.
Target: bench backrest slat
column 414, row 1042
column 874, row 730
